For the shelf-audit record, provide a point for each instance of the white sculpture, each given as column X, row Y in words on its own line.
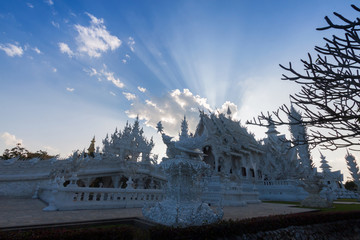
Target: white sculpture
column 314, row 185
column 182, row 205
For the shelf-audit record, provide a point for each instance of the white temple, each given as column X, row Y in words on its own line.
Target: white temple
column 237, row 170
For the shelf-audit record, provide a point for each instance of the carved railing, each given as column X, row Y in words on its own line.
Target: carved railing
column 279, row 183
column 70, row 198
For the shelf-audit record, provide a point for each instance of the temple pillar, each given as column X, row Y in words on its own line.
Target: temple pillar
column 116, row 181
column 152, row 184
column 129, row 184
column 140, row 183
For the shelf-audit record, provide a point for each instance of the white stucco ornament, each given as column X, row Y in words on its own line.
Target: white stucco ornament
column 314, row 185
column 182, row 205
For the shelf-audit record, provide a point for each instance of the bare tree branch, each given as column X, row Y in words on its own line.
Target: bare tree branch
column 329, row 98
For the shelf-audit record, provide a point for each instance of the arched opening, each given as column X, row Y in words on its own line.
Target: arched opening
column 123, row 181
column 243, row 172
column 252, row 172
column 101, row 182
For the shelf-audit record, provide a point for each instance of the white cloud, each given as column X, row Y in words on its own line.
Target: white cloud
column 54, row 70
column 30, row 5
column 37, row 50
column 141, row 89
column 129, row 96
column 171, row 108
column 106, row 74
column 70, row 89
column 112, row 93
column 127, row 56
column 10, row 140
column 50, row 2
column 12, row 50
column 110, row 77
column 124, row 61
column 131, row 43
column 91, row 72
column 55, row 24
column 64, row 48
column 95, row 39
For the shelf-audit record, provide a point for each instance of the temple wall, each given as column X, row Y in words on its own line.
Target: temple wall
column 280, row 190
column 21, row 186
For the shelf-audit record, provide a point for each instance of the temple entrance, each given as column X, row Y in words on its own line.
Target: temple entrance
column 209, row 157
column 236, row 165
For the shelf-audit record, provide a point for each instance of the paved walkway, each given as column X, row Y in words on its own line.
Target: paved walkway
column 23, row 212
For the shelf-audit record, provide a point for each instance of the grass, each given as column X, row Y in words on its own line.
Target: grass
column 337, row 207
column 346, row 200
column 284, row 202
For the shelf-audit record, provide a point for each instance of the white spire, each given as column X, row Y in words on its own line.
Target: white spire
column 353, row 167
column 184, row 129
column 299, row 137
column 271, row 128
column 324, row 164
column 228, row 112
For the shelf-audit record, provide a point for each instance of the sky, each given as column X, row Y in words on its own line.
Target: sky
column 71, row 70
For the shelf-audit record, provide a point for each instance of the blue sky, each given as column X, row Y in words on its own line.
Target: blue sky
column 74, row 69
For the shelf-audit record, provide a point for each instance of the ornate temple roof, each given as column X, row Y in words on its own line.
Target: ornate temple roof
column 129, row 142
column 228, row 131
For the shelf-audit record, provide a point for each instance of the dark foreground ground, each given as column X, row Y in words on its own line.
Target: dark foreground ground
column 24, row 219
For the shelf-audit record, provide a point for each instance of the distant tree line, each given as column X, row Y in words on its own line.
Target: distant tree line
column 351, row 186
column 23, row 154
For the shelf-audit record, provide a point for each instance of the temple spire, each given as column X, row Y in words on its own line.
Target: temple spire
column 228, row 112
column 324, row 164
column 91, row 149
column 271, row 128
column 353, row 167
column 184, row 129
column 160, row 127
column 299, row 137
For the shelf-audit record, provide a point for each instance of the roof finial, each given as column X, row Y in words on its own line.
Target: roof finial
column 228, row 112
column 91, row 148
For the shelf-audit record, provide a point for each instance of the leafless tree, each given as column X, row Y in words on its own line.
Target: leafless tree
column 329, row 98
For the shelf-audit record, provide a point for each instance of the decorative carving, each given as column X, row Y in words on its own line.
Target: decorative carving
column 182, row 206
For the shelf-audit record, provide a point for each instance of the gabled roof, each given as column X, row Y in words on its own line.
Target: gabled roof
column 230, row 130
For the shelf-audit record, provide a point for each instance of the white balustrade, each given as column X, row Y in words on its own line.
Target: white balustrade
column 100, row 198
column 281, row 190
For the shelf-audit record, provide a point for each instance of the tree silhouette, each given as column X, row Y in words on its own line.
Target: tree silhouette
column 23, row 154
column 329, row 98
